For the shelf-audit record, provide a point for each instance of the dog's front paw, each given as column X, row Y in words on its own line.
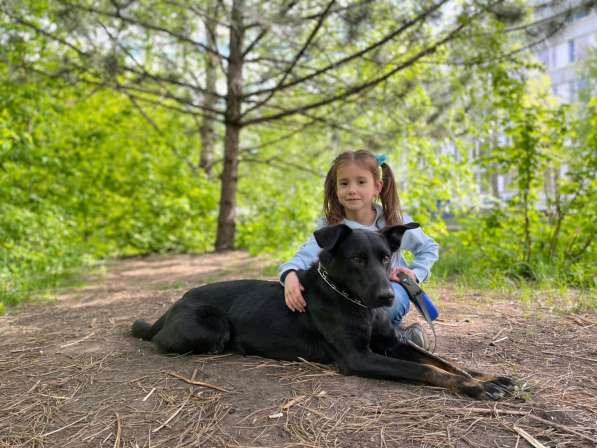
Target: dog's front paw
column 482, row 390
column 504, row 382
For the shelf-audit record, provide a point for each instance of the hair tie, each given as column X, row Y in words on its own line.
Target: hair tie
column 381, row 159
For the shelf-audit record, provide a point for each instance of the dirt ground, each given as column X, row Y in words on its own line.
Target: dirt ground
column 70, row 376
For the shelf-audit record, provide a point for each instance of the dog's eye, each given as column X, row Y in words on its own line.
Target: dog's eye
column 386, row 259
column 358, row 259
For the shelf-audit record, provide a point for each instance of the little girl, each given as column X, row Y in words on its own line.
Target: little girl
column 354, row 183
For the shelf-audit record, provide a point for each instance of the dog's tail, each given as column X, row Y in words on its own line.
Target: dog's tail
column 143, row 330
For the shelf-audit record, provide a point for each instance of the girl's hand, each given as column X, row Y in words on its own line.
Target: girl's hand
column 394, row 274
column 293, row 293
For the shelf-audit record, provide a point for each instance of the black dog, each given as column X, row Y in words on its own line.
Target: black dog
column 343, row 322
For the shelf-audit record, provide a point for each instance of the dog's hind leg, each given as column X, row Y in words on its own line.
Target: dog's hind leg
column 203, row 329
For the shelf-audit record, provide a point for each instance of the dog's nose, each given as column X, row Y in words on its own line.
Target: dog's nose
column 386, row 296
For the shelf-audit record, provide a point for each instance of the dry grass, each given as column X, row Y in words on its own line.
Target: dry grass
column 71, row 376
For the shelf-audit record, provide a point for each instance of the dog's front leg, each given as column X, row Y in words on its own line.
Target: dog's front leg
column 413, row 352
column 385, row 342
column 374, row 365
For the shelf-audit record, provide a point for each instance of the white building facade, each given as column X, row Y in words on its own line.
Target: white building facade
column 562, row 52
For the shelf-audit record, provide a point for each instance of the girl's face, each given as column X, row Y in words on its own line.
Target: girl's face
column 356, row 188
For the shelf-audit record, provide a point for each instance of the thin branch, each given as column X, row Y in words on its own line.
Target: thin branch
column 255, row 41
column 86, row 56
column 43, row 32
column 142, row 24
column 161, row 104
column 294, row 20
column 204, row 14
column 104, row 84
column 143, row 73
column 332, row 124
column 573, row 257
column 298, row 55
column 211, row 23
column 565, row 14
column 359, row 88
column 279, row 139
column 503, row 56
column 264, row 31
column 353, row 56
column 284, row 164
column 160, row 79
column 159, row 131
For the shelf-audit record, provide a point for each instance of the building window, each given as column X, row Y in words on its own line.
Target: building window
column 572, row 92
column 564, row 91
column 543, row 56
column 583, row 45
column 571, row 51
column 583, row 11
column 582, row 84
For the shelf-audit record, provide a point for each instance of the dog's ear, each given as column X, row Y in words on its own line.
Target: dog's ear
column 393, row 234
column 328, row 237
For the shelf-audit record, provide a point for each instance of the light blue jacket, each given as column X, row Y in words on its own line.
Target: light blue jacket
column 424, row 249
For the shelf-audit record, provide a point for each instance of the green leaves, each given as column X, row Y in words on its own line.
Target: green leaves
column 83, row 175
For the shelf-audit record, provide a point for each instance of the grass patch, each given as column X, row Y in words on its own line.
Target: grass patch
column 35, row 286
column 557, row 298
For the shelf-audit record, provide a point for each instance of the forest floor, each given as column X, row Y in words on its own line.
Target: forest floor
column 71, row 375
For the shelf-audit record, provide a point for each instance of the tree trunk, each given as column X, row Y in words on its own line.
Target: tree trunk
column 207, row 131
column 229, row 180
column 559, row 213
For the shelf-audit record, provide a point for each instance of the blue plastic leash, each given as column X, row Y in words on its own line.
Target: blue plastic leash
column 422, row 301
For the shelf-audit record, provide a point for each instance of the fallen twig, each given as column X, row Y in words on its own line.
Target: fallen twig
column 196, row 383
column 64, row 427
column 292, row 402
column 582, row 320
column 529, row 438
column 528, row 414
column 33, row 387
column 322, row 368
column 118, row 431
column 447, row 324
column 567, row 355
column 173, row 415
column 211, row 357
column 77, row 341
column 149, row 394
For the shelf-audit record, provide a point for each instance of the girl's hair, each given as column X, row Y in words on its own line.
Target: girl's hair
column 333, row 210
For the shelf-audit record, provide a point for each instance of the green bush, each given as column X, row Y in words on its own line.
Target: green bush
column 488, row 252
column 86, row 177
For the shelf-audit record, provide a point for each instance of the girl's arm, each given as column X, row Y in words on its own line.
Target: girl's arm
column 304, row 258
column 424, row 249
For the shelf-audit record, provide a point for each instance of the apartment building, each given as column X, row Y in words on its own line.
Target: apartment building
column 562, row 52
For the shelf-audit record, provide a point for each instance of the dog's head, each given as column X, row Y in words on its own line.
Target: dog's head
column 359, row 261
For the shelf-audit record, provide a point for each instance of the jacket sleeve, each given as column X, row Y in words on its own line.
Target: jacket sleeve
column 424, row 249
column 305, row 257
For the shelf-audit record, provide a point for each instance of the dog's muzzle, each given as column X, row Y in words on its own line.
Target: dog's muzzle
column 386, row 297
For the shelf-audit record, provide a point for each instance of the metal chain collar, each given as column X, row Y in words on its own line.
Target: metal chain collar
column 324, row 275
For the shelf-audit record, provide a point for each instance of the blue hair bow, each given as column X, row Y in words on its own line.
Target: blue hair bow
column 381, row 159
